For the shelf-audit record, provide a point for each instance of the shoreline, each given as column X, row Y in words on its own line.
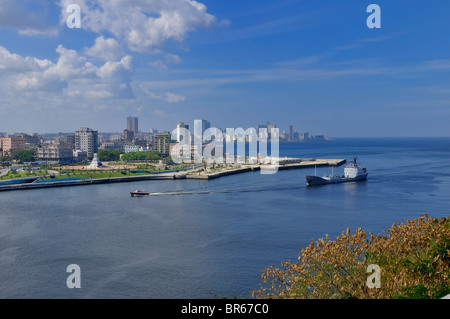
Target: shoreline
column 284, row 164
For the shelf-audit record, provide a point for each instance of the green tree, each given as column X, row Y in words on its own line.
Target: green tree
column 24, row 156
column 109, row 155
column 414, row 258
column 141, row 156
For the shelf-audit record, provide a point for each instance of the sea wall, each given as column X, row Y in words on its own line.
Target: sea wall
column 89, row 181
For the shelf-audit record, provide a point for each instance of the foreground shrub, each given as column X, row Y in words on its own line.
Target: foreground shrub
column 414, row 259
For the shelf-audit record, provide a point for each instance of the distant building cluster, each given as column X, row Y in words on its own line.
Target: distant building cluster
column 81, row 145
column 10, row 144
column 291, row 135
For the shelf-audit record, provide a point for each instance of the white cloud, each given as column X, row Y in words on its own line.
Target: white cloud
column 168, row 59
column 70, row 66
column 123, row 67
column 142, row 25
column 168, row 97
column 72, row 73
column 173, row 98
column 13, row 15
column 105, row 49
column 173, row 59
column 100, row 75
column 10, row 62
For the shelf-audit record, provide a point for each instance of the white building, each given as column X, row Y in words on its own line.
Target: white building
column 86, row 140
column 54, row 154
column 132, row 148
column 180, row 127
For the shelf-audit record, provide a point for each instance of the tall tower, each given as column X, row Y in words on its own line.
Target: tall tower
column 181, row 126
column 200, row 126
column 291, row 133
column 205, row 125
column 132, row 124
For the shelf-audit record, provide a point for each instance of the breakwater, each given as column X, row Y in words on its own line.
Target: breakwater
column 284, row 164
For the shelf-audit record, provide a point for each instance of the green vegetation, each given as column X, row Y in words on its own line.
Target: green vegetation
column 93, row 174
column 414, row 259
column 24, row 156
column 20, row 156
column 76, row 171
column 141, row 156
column 109, row 155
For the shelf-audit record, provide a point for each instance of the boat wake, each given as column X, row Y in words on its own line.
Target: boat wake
column 228, row 191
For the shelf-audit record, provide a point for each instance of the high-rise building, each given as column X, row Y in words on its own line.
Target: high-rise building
column 30, row 139
column 132, row 124
column 86, row 140
column 181, row 126
column 260, row 128
column 128, row 135
column 11, row 144
column 265, row 131
column 162, row 143
column 200, row 126
column 291, row 133
column 66, row 141
column 205, row 125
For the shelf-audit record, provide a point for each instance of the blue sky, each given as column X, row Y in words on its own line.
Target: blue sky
column 311, row 64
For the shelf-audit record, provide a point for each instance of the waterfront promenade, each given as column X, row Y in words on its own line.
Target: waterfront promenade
column 193, row 173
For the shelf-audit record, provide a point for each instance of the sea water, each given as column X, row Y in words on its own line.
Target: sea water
column 210, row 239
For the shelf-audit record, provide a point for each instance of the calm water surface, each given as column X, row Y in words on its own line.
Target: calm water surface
column 196, row 245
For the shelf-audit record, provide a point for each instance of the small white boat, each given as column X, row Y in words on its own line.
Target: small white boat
column 139, row 192
column 352, row 173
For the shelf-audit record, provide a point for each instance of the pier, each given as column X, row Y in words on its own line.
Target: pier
column 283, row 164
column 197, row 173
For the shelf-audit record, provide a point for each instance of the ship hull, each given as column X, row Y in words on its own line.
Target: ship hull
column 317, row 180
column 139, row 193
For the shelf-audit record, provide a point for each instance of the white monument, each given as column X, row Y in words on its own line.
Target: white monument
column 95, row 162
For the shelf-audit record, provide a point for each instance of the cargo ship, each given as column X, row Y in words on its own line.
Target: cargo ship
column 352, row 173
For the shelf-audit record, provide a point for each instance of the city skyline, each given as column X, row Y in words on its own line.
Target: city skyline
column 289, row 134
column 316, row 66
column 85, row 143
